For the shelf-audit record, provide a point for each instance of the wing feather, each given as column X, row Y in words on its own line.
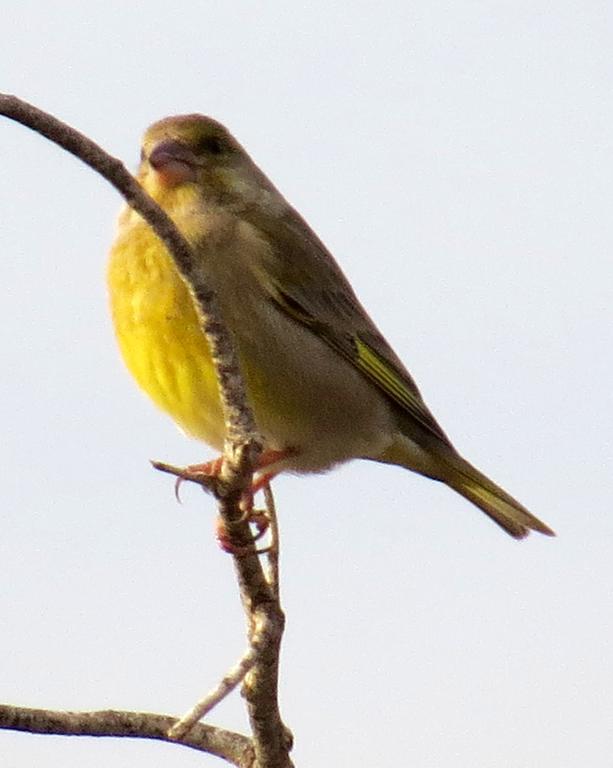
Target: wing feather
column 303, row 279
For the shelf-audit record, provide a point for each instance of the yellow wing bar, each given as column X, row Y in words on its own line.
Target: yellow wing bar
column 394, row 385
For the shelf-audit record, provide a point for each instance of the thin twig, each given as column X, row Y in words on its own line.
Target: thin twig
column 235, row 676
column 273, row 550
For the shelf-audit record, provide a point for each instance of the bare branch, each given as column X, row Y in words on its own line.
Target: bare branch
column 235, row 676
column 272, row 740
column 242, row 447
column 233, row 747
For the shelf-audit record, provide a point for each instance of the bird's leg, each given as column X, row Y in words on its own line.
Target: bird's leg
column 211, row 470
column 256, row 517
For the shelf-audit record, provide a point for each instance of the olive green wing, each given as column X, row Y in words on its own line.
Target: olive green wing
column 302, row 278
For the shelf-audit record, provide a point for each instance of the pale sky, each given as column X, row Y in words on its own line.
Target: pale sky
column 456, row 159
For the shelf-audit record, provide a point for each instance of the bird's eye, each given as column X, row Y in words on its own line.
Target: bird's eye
column 212, row 145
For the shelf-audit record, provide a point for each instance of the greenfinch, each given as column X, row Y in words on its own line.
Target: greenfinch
column 324, row 385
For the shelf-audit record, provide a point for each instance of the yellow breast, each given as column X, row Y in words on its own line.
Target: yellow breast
column 159, row 333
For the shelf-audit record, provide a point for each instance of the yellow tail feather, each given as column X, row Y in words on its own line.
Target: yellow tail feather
column 502, row 508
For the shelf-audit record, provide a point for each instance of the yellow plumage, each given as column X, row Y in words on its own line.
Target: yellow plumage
column 159, row 333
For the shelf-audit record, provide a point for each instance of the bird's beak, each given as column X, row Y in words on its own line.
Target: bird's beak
column 173, row 162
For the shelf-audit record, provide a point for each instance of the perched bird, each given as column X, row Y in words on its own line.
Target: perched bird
column 324, row 384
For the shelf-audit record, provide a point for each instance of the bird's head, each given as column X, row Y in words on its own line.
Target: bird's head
column 199, row 155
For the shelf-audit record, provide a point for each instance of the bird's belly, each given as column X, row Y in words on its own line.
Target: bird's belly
column 306, row 397
column 160, row 338
column 307, row 400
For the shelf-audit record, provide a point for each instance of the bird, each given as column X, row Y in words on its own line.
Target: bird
column 324, row 385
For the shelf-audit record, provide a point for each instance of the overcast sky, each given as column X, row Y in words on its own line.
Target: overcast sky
column 456, row 158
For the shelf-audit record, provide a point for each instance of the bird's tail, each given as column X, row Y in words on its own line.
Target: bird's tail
column 504, row 510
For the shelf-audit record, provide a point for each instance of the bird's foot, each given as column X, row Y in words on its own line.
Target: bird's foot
column 227, row 541
column 207, row 475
